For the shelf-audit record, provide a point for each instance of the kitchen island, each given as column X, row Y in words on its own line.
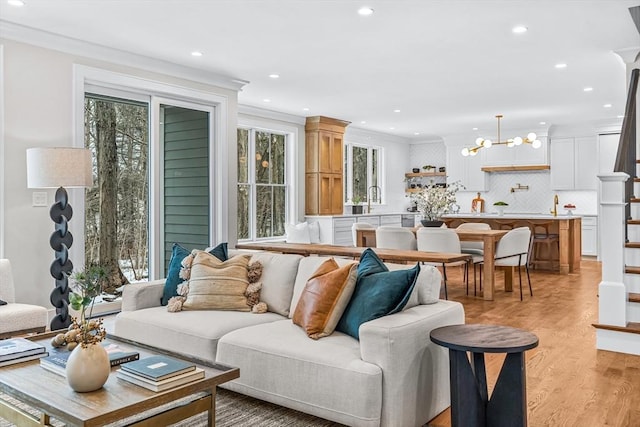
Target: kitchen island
column 567, row 227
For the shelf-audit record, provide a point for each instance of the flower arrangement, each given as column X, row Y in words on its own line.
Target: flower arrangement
column 86, row 286
column 433, row 200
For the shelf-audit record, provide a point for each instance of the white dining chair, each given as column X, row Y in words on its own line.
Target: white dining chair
column 474, row 248
column 390, row 237
column 436, row 239
column 512, row 250
column 360, row 226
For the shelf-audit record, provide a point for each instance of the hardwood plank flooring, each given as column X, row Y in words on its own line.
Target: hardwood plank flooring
column 569, row 382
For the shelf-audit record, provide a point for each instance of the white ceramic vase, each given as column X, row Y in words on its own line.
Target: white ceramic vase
column 88, row 368
column 500, row 209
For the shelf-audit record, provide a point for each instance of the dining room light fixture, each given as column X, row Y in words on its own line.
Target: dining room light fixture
column 531, row 138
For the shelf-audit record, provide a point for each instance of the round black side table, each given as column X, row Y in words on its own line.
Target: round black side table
column 470, row 403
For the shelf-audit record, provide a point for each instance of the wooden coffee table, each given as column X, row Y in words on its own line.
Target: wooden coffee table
column 118, row 400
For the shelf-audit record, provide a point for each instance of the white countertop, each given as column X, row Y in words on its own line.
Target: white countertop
column 508, row 215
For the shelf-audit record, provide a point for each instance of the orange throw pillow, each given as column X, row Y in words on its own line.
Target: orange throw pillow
column 325, row 298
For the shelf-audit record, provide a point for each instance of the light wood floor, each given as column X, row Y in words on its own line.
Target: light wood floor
column 569, row 382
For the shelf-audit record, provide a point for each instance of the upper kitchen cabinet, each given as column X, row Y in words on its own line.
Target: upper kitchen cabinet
column 574, row 163
column 466, row 170
column 324, row 145
column 521, row 155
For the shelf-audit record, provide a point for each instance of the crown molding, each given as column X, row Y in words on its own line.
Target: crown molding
column 34, row 36
column 356, row 134
column 263, row 113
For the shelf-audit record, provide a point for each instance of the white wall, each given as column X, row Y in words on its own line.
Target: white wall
column 39, row 113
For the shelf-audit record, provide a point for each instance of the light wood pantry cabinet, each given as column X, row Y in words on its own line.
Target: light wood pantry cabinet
column 324, row 144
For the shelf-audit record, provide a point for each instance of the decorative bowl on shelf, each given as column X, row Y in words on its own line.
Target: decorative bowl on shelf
column 416, row 170
column 569, row 207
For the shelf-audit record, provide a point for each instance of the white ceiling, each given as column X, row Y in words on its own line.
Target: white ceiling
column 447, row 65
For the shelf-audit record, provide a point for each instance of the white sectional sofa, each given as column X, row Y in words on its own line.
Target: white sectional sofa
column 393, row 376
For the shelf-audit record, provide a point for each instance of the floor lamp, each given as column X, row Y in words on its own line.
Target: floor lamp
column 60, row 168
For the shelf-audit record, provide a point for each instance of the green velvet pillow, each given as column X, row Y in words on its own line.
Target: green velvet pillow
column 173, row 279
column 378, row 292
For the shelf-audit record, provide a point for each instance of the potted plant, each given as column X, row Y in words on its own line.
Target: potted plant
column 88, row 366
column 356, row 207
column 433, row 201
column 500, row 205
column 429, row 168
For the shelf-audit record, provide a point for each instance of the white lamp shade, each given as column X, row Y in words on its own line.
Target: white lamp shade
column 59, row 167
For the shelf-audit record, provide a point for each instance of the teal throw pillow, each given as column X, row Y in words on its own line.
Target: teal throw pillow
column 173, row 279
column 378, row 292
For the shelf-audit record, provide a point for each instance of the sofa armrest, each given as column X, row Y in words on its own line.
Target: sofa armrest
column 415, row 370
column 136, row 296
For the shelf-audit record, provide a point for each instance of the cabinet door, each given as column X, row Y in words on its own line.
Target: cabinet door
column 589, row 236
column 607, row 152
column 337, row 157
column 500, row 155
column 562, row 164
column 586, row 163
column 337, row 203
column 467, row 170
column 342, row 234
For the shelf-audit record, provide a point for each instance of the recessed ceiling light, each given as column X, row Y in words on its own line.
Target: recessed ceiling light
column 588, row 89
column 416, row 133
column 561, row 65
column 607, row 105
column 519, row 29
column 392, row 128
column 16, row 3
column 396, row 111
column 620, row 117
column 363, row 122
column 305, row 109
column 196, row 53
column 266, row 100
column 274, row 76
column 365, row 11
column 543, row 123
column 475, row 129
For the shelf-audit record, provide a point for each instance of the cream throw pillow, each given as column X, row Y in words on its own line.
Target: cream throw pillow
column 218, row 285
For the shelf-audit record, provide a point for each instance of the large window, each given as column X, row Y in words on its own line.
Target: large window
column 262, row 186
column 362, row 166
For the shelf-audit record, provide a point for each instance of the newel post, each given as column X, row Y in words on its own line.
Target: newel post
column 612, row 292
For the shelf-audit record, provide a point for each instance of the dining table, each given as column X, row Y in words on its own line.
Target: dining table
column 490, row 238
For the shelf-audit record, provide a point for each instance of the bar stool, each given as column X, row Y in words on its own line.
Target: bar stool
column 505, row 225
column 541, row 235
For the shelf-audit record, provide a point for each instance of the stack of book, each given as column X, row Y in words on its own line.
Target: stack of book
column 159, row 373
column 57, row 361
column 17, row 350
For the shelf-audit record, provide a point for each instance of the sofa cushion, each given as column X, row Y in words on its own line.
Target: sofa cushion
column 195, row 333
column 378, row 292
column 324, row 298
column 326, row 377
column 218, row 285
column 19, row 317
column 178, row 253
column 427, row 288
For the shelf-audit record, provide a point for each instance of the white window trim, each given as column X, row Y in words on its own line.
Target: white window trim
column 291, row 167
column 85, row 77
column 381, row 171
column 3, row 159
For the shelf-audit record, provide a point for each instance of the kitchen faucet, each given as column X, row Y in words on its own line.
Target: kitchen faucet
column 554, row 211
column 376, row 192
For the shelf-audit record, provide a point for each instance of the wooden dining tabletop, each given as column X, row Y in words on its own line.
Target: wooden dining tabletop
column 367, row 237
column 387, row 255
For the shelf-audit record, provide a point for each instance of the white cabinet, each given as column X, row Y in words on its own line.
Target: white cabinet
column 467, row 169
column 607, row 152
column 590, row 235
column 336, row 230
column 574, row 163
column 521, row 155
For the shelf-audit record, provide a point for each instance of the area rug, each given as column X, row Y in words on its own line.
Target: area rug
column 232, row 409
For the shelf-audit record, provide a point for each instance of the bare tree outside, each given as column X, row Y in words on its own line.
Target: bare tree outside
column 116, row 208
column 266, row 179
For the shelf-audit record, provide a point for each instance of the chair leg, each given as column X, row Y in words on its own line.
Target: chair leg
column 529, row 279
column 444, row 275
